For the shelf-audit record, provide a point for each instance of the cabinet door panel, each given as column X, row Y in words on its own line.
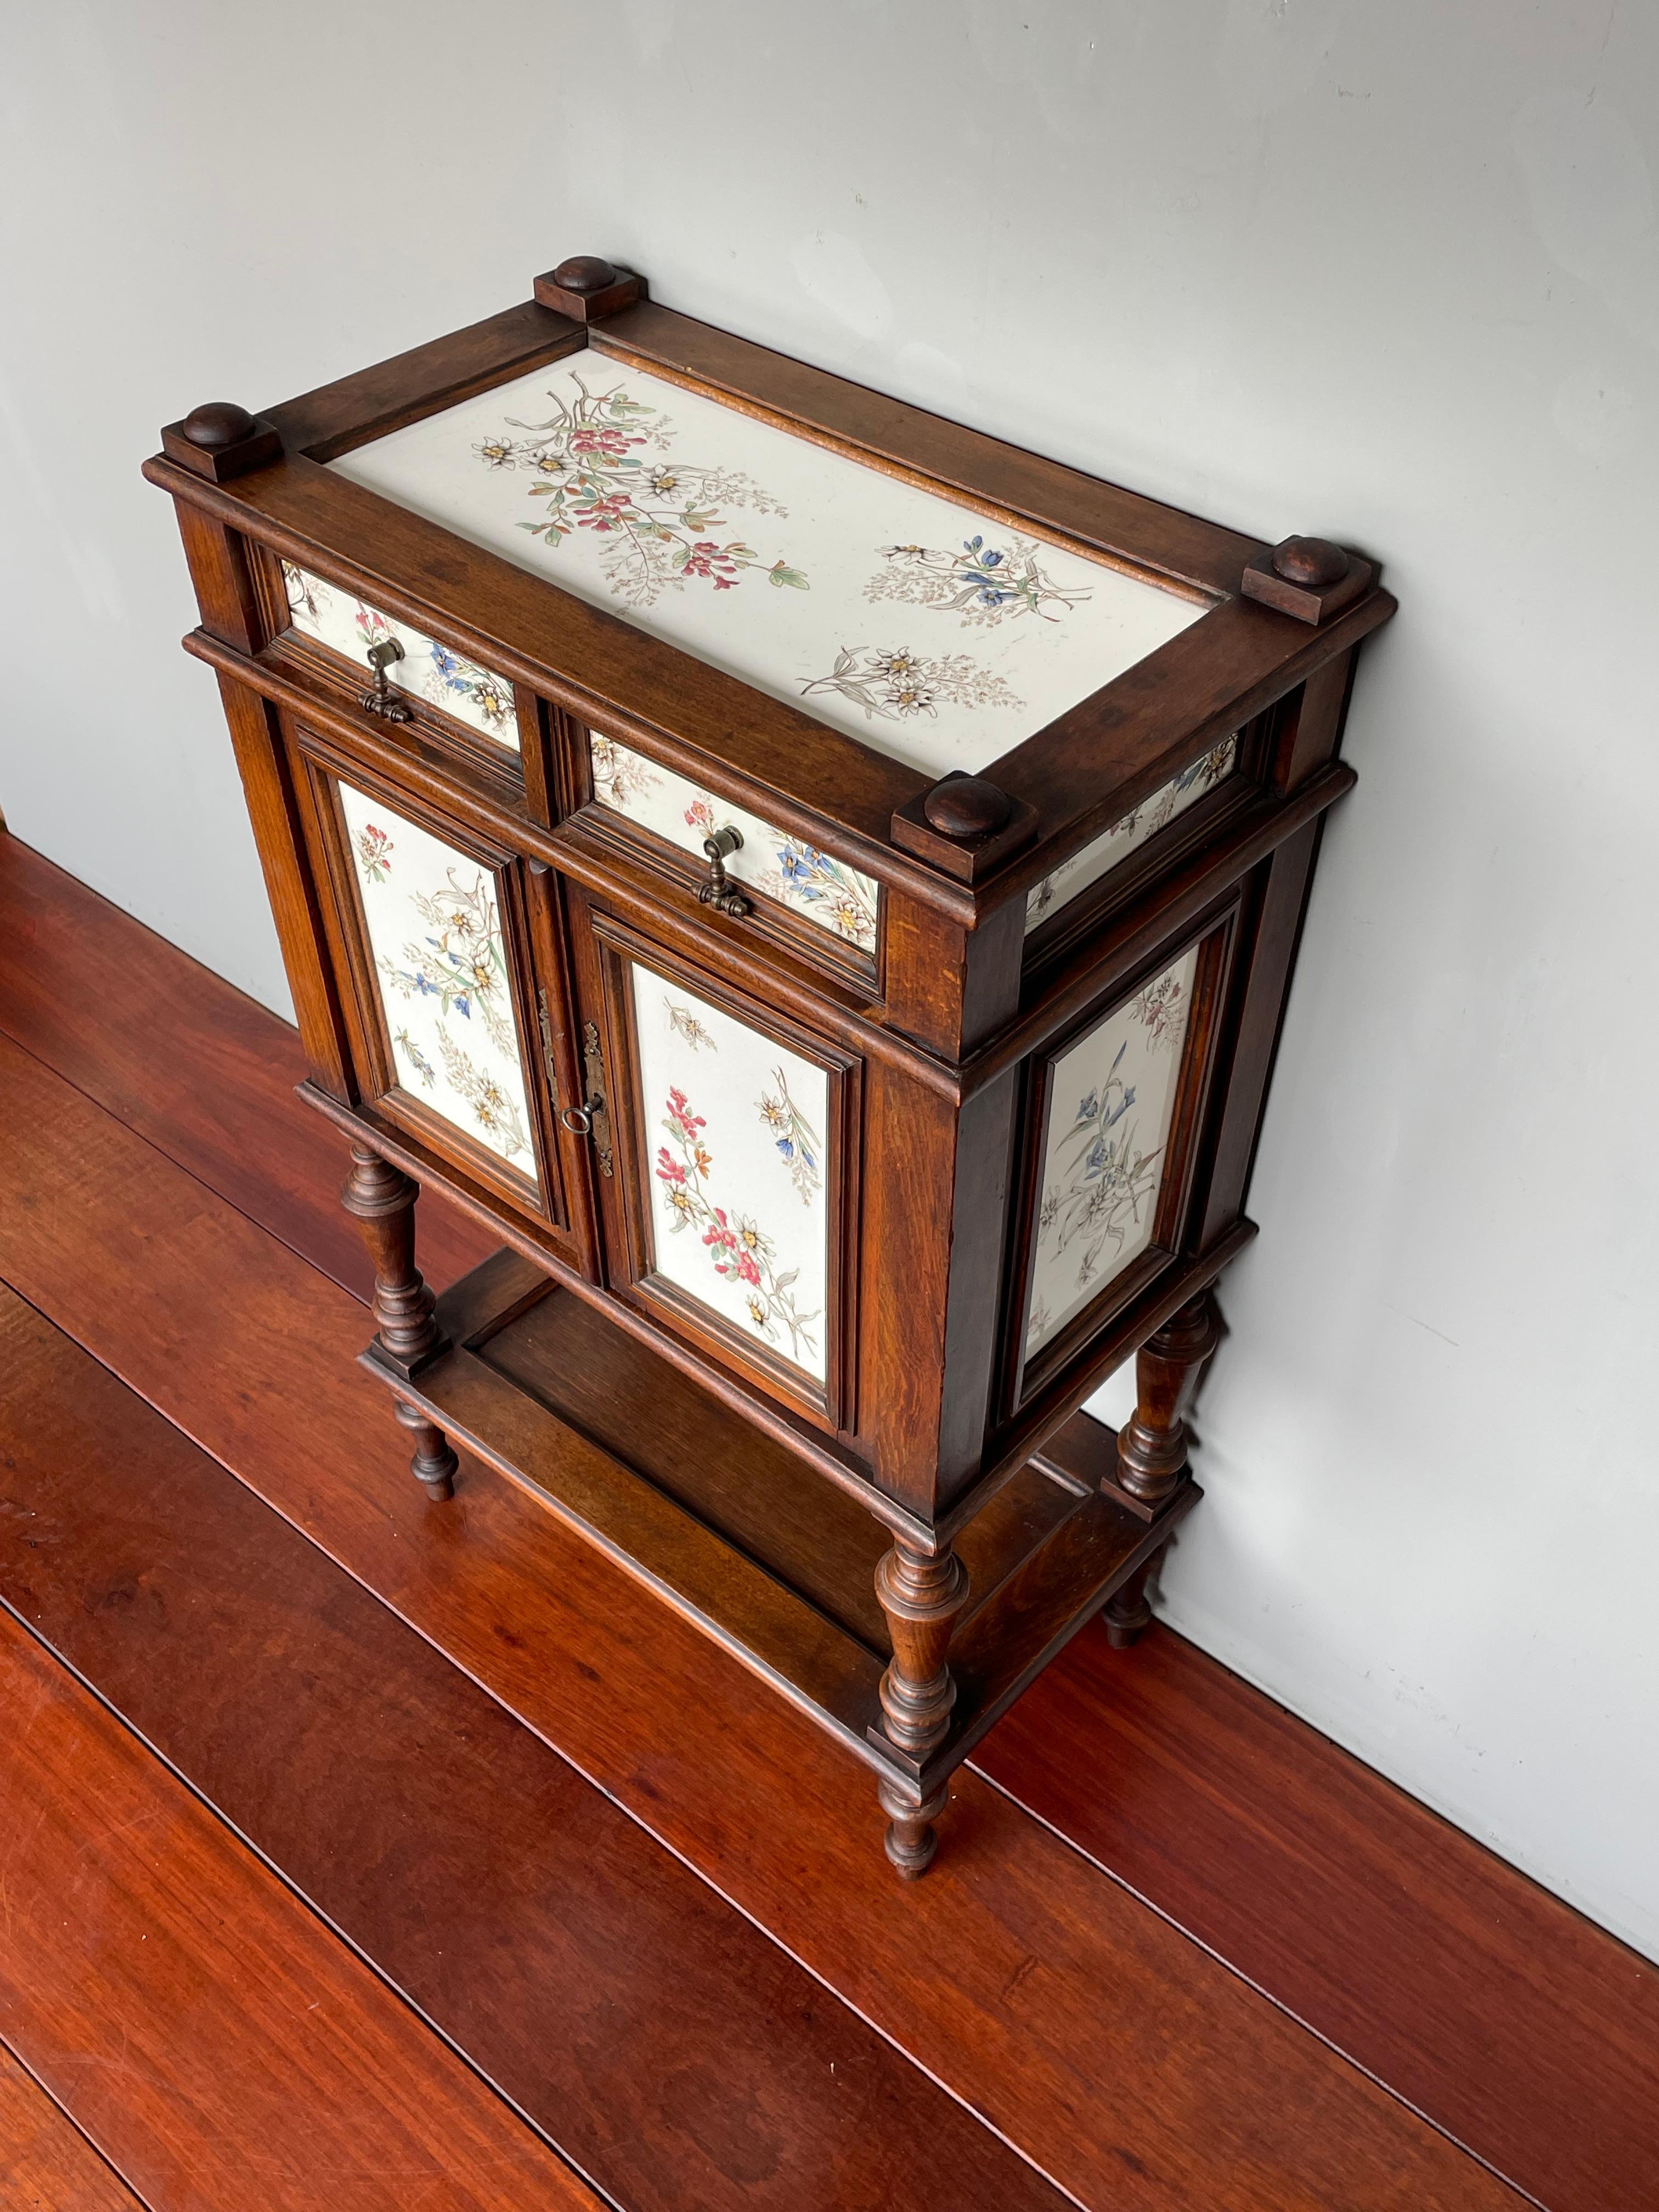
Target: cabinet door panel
column 731, row 1208
column 432, row 918
column 1111, row 1100
column 1113, row 1128
column 740, row 1221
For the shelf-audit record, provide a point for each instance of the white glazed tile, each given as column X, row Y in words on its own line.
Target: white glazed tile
column 911, row 620
column 735, row 1124
column 1114, row 846
column 331, row 617
column 434, row 935
column 1110, row 1103
column 837, row 898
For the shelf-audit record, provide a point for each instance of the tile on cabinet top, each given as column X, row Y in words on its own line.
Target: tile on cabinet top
column 934, row 632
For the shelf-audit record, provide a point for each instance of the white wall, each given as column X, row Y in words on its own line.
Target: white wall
column 1388, row 273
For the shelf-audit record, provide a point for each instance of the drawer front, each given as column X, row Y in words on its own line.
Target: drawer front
column 335, row 618
column 1114, row 846
column 795, row 876
column 442, row 978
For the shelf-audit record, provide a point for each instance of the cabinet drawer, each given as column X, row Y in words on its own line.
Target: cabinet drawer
column 795, row 878
column 329, row 616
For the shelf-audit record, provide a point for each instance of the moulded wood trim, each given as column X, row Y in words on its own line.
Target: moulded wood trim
column 1126, row 524
column 1099, row 760
column 428, row 378
column 529, row 630
column 764, row 966
column 824, row 1672
column 1167, row 903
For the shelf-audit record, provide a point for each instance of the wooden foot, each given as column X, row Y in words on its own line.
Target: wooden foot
column 382, row 1200
column 1127, row 1611
column 435, row 1462
column 911, row 1839
column 921, row 1596
column 1151, row 1446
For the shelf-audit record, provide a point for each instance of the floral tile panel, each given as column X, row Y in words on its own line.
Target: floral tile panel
column 331, row 617
column 1114, row 846
column 797, row 875
column 1110, row 1103
column 736, row 1125
column 931, row 631
column 434, row 935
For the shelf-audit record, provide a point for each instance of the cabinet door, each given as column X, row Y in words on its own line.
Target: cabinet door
column 451, row 1016
column 726, row 1157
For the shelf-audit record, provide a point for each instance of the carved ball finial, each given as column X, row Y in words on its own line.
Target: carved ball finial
column 967, row 806
column 219, row 423
column 584, row 273
column 1312, row 562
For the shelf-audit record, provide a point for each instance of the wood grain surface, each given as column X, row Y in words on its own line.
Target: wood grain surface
column 1524, row 2029
column 47, row 2164
column 195, row 2020
column 676, row 2056
column 1135, row 2069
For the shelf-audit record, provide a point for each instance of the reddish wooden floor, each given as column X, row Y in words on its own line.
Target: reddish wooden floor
column 360, row 1852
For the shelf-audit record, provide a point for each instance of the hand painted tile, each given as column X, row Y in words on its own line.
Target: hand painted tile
column 1114, row 846
column 825, row 890
column 1110, row 1101
column 434, row 935
column 427, row 670
column 737, row 1125
column 914, row 622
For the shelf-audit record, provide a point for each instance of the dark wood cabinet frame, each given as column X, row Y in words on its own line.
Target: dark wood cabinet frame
column 902, row 1551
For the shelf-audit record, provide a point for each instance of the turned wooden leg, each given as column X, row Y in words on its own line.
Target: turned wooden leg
column 1152, row 1445
column 381, row 1199
column 912, row 1838
column 921, row 1596
column 435, row 1462
column 1127, row 1611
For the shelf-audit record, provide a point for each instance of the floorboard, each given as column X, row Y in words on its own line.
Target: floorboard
column 1520, row 2027
column 1524, row 2029
column 676, row 2056
column 180, row 1055
column 47, row 2164
column 1131, row 2066
column 222, row 2049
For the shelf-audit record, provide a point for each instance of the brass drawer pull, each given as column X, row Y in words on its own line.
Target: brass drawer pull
column 720, row 892
column 380, row 701
column 595, row 1112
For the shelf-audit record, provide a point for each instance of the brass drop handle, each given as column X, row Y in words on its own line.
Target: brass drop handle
column 380, row 701
column 720, row 892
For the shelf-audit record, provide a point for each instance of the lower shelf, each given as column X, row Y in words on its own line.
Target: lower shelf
column 744, row 1540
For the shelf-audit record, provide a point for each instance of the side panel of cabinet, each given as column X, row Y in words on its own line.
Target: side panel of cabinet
column 447, row 966
column 1115, row 1109
column 727, row 1156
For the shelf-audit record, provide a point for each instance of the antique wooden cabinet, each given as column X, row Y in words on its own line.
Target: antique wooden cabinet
column 823, row 886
